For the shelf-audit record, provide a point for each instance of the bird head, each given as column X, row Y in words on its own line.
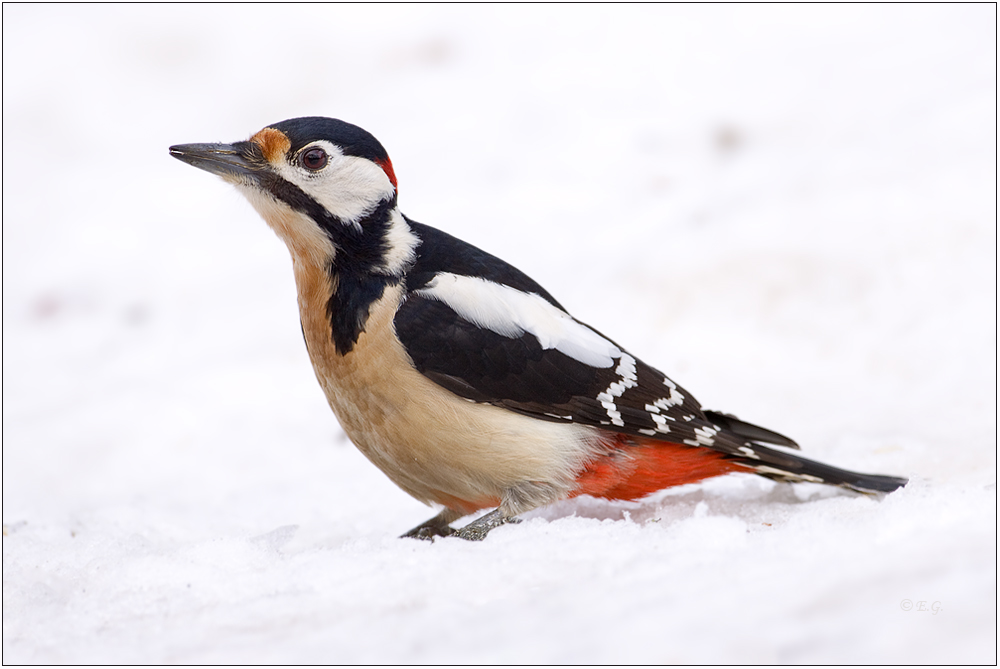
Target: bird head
column 326, row 187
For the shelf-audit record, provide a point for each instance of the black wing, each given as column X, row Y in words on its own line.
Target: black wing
column 515, row 372
column 510, row 368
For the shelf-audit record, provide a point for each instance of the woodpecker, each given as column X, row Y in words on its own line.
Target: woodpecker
column 455, row 373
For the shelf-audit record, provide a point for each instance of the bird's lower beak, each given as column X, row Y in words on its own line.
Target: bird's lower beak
column 225, row 160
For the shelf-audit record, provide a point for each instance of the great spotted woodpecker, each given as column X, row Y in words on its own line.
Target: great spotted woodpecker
column 455, row 373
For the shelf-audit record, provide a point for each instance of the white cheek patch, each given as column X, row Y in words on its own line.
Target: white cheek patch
column 348, row 187
column 511, row 312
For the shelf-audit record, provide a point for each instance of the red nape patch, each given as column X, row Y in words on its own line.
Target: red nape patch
column 637, row 467
column 386, row 166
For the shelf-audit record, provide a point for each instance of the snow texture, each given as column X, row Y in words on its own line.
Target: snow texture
column 788, row 209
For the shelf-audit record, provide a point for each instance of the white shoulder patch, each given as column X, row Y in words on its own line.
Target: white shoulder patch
column 511, row 312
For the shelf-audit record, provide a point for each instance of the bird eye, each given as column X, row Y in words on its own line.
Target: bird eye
column 314, row 159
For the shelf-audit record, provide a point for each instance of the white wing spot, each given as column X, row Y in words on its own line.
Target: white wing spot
column 661, row 422
column 664, row 403
column 629, row 379
column 626, row 368
column 613, row 414
column 674, row 399
column 705, row 436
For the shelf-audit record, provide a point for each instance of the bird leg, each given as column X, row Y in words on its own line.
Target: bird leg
column 479, row 528
column 438, row 526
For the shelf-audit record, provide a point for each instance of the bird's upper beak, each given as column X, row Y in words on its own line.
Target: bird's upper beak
column 226, row 160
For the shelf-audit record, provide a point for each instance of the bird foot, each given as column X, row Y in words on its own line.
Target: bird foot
column 428, row 533
column 479, row 528
column 438, row 526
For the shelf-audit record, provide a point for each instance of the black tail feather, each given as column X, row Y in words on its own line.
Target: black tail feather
column 740, row 428
column 787, row 467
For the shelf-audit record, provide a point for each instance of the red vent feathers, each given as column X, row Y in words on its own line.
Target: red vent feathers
column 638, row 467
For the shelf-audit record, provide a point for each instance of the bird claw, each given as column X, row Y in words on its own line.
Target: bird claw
column 479, row 528
column 428, row 532
column 474, row 531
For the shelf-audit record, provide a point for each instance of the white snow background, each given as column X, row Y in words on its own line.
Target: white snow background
column 791, row 210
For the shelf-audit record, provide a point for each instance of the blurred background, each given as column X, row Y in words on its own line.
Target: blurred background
column 791, row 210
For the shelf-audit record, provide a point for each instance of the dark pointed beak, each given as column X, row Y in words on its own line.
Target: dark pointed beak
column 225, row 160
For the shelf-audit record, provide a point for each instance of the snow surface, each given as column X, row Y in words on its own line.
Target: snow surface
column 789, row 209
